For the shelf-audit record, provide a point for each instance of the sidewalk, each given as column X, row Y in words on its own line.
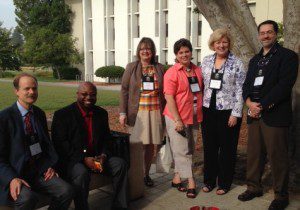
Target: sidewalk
column 114, row 87
column 163, row 197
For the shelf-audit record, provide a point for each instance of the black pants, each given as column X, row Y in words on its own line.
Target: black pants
column 220, row 145
column 115, row 167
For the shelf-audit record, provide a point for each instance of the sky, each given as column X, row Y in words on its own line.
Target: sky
column 7, row 14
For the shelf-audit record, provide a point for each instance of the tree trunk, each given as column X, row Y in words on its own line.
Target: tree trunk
column 235, row 15
column 291, row 22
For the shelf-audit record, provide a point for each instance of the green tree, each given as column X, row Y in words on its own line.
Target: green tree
column 50, row 48
column 8, row 58
column 17, row 38
column 46, row 26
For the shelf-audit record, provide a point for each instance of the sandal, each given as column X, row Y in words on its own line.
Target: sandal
column 191, row 193
column 148, row 181
column 179, row 186
column 207, row 188
column 222, row 193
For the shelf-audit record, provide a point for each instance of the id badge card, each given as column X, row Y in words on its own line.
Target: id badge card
column 148, row 82
column 258, row 81
column 216, row 81
column 194, row 85
column 35, row 149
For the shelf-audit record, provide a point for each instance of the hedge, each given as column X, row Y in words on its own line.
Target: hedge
column 110, row 72
column 66, row 72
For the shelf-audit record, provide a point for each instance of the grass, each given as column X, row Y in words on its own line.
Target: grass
column 52, row 98
column 41, row 75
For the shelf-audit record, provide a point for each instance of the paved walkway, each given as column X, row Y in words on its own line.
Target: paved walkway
column 114, row 87
column 163, row 197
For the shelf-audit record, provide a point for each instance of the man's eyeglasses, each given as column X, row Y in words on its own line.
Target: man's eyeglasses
column 270, row 32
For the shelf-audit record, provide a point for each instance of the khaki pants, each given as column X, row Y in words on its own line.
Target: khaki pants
column 265, row 141
column 182, row 147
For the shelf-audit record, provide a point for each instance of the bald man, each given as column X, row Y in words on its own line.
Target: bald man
column 80, row 133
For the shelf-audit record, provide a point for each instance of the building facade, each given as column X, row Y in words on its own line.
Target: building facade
column 108, row 31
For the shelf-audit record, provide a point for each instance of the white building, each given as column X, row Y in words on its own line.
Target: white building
column 108, row 31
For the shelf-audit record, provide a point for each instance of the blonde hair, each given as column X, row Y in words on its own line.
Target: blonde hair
column 217, row 35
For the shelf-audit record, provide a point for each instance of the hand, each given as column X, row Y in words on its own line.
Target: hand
column 15, row 187
column 179, row 126
column 257, row 116
column 232, row 121
column 122, row 120
column 255, row 108
column 49, row 174
column 89, row 162
column 99, row 163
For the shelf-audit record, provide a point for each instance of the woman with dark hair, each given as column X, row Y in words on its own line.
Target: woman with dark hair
column 183, row 113
column 142, row 102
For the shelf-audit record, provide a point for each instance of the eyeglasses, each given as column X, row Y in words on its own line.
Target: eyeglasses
column 270, row 32
column 145, row 49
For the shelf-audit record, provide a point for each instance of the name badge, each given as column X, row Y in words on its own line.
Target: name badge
column 194, row 85
column 216, row 81
column 195, row 88
column 148, row 82
column 259, row 81
column 35, row 149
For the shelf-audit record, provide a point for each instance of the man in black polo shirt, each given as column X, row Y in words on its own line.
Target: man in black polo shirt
column 267, row 92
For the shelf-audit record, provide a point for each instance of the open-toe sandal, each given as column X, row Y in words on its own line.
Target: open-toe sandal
column 224, row 191
column 191, row 193
column 179, row 186
column 207, row 188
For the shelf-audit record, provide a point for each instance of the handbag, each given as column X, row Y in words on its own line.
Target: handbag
column 164, row 158
column 119, row 146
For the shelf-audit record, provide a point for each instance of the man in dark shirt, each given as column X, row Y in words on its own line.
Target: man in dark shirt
column 267, row 92
column 27, row 155
column 80, row 133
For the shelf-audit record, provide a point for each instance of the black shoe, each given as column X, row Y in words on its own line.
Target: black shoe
column 248, row 195
column 148, row 181
column 279, row 204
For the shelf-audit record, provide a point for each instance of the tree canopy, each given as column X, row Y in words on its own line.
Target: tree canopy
column 8, row 57
column 46, row 26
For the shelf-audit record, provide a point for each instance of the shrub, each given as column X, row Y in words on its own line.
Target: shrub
column 166, row 67
column 110, row 72
column 66, row 72
column 43, row 73
column 9, row 74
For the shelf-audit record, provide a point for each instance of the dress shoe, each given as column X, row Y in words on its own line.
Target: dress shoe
column 278, row 204
column 248, row 195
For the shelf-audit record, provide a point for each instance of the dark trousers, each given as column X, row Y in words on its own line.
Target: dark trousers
column 220, row 145
column 115, row 167
column 272, row 142
column 60, row 191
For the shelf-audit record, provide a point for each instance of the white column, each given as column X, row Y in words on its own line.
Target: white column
column 98, row 36
column 87, row 39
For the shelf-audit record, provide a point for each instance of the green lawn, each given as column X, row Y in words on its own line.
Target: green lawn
column 53, row 98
